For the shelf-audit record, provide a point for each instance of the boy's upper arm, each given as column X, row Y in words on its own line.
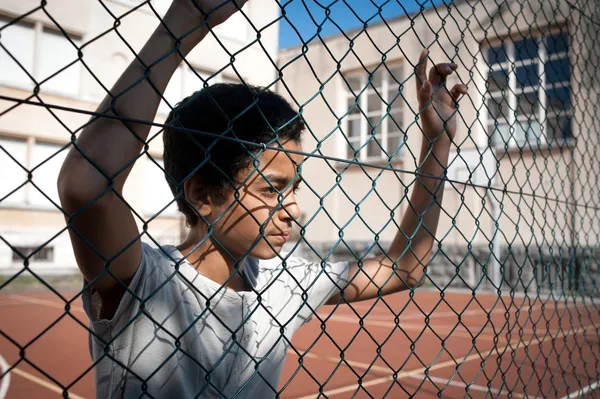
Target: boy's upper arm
column 105, row 234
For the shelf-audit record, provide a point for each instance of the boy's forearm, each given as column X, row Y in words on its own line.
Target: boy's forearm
column 421, row 218
column 110, row 143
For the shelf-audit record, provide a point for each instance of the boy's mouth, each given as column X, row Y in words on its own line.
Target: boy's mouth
column 282, row 237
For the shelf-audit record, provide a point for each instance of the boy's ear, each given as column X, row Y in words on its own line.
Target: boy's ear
column 198, row 196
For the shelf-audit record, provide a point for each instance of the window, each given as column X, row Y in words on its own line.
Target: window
column 18, row 40
column 42, row 53
column 11, row 174
column 374, row 114
column 56, row 52
column 45, row 254
column 46, row 163
column 528, row 89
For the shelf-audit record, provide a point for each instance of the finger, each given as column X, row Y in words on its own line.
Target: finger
column 425, row 94
column 458, row 91
column 421, row 69
column 439, row 72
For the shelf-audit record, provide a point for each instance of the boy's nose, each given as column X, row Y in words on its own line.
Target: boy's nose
column 291, row 207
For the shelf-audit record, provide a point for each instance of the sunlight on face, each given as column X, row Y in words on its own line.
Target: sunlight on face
column 261, row 220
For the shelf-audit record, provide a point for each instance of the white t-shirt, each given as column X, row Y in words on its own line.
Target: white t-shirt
column 181, row 335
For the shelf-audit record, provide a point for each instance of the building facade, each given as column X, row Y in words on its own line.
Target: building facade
column 40, row 64
column 523, row 174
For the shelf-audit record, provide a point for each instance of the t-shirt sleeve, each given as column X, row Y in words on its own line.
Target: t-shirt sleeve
column 321, row 282
column 147, row 278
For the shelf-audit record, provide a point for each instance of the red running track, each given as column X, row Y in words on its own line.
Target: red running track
column 454, row 346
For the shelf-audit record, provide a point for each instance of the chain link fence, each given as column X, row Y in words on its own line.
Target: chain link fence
column 519, row 217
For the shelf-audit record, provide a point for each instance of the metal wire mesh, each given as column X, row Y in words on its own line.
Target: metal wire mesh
column 519, row 218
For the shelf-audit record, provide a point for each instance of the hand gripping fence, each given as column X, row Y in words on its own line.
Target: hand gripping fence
column 508, row 303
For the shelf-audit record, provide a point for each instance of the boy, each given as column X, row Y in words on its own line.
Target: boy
column 213, row 317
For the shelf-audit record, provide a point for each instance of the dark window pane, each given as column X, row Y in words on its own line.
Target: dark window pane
column 558, row 99
column 559, row 128
column 557, row 43
column 527, row 75
column 527, row 104
column 497, row 80
column 354, row 127
column 45, row 254
column 377, row 77
column 353, row 106
column 500, row 134
column 373, row 103
column 375, row 126
column 395, row 77
column 558, row 71
column 394, row 122
column 496, row 55
column 353, row 146
column 498, row 109
column 354, row 82
column 526, row 49
column 394, row 98
column 373, row 149
column 394, row 143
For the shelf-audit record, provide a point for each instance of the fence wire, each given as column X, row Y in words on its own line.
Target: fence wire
column 518, row 225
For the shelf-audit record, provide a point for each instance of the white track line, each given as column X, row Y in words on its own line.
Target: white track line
column 45, row 302
column 472, row 387
column 438, row 314
column 5, row 383
column 337, row 360
column 386, row 370
column 508, row 348
column 582, row 391
column 43, row 383
column 417, row 328
column 25, row 374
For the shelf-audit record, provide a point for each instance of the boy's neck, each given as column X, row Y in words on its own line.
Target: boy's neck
column 212, row 262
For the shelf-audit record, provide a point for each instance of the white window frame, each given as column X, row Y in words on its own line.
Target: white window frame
column 513, row 91
column 348, row 95
column 38, row 29
column 29, row 197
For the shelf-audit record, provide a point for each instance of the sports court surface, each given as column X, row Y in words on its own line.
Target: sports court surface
column 453, row 345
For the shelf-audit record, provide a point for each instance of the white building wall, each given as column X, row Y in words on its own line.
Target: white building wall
column 33, row 132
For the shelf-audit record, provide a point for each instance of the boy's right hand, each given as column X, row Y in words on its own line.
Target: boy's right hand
column 215, row 11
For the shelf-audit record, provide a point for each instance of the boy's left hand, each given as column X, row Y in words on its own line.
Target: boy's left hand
column 437, row 105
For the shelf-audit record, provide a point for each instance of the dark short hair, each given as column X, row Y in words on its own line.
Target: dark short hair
column 248, row 113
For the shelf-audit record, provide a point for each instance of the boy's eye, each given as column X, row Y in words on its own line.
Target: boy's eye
column 269, row 190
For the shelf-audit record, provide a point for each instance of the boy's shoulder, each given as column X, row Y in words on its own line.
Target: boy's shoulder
column 162, row 259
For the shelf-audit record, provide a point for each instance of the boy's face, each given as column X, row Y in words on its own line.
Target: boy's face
column 260, row 221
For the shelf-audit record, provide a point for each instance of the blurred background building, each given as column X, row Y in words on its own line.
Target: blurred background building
column 33, row 138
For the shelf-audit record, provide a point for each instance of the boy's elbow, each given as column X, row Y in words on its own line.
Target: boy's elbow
column 415, row 281
column 77, row 185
